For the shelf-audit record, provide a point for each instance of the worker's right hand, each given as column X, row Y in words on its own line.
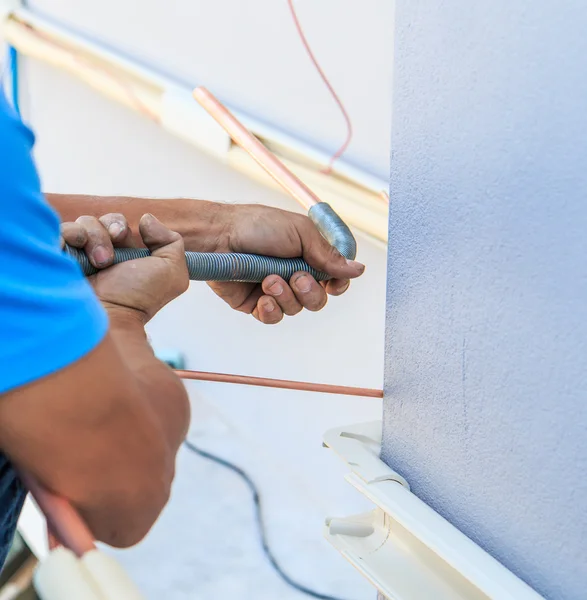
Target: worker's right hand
column 142, row 286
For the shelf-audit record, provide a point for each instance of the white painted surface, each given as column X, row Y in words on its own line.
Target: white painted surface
column 249, row 53
column 487, row 320
column 205, row 544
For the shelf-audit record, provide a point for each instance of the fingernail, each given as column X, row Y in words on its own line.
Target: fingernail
column 101, row 255
column 355, row 265
column 303, row 284
column 343, row 288
column 268, row 306
column 115, row 230
column 147, row 218
column 276, row 289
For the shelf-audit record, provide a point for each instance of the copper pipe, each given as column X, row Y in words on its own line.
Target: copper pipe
column 283, row 384
column 248, row 142
column 64, row 523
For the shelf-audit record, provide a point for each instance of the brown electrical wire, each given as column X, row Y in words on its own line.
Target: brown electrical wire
column 283, row 384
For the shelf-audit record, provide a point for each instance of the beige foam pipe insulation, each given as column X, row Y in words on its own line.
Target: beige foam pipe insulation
column 96, row 576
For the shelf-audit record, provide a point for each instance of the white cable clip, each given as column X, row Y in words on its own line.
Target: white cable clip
column 403, row 547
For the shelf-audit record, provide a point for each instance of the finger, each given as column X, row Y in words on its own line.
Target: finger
column 309, row 293
column 336, row 287
column 168, row 246
column 276, row 287
column 117, row 227
column 160, row 240
column 98, row 246
column 239, row 296
column 268, row 311
column 319, row 254
column 74, row 234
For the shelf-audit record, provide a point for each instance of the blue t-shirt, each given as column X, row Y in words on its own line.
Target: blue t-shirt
column 49, row 315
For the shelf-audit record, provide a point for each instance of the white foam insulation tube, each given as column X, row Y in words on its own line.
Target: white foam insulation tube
column 96, row 576
column 357, row 196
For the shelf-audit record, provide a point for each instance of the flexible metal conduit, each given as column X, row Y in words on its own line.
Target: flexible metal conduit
column 210, row 266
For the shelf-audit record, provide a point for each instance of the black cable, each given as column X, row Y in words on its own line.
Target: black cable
column 260, row 523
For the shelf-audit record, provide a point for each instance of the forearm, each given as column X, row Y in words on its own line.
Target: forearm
column 161, row 388
column 201, row 223
column 120, row 513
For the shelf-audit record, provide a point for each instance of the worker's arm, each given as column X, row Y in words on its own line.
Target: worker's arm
column 104, row 431
column 84, row 405
column 202, row 224
column 214, row 227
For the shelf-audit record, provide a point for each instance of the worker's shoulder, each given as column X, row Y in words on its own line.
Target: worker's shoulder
column 24, row 208
column 14, row 134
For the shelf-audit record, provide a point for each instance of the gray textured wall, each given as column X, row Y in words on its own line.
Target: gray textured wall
column 486, row 403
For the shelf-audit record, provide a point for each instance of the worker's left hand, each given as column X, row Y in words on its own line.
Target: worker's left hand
column 257, row 229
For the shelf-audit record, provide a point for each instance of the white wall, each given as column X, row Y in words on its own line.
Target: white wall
column 487, row 319
column 87, row 144
column 249, row 54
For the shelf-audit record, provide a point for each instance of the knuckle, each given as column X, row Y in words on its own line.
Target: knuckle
column 335, row 254
column 87, row 221
column 94, row 230
column 113, row 218
column 73, row 234
column 80, row 237
column 305, row 222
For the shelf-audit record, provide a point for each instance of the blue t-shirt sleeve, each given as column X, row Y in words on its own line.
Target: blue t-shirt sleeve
column 49, row 315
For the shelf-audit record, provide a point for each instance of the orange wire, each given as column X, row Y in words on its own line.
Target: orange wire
column 332, row 91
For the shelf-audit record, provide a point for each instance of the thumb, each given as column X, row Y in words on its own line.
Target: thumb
column 160, row 240
column 318, row 253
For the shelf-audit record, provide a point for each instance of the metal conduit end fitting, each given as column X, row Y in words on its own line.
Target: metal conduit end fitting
column 334, row 229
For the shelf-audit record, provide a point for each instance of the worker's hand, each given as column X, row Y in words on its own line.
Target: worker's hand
column 143, row 286
column 257, row 229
